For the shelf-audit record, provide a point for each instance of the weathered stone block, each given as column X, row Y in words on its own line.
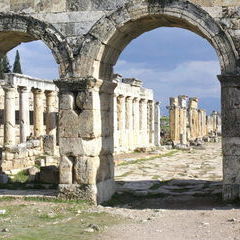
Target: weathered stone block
column 66, row 101
column 86, row 192
column 49, row 174
column 66, row 170
column 85, row 170
column 3, row 178
column 71, row 146
column 230, row 122
column 231, row 146
column 69, row 124
column 231, row 169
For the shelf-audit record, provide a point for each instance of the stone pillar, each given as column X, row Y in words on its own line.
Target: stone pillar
column 122, row 123
column 151, row 122
column 51, row 118
column 38, row 112
column 129, row 122
column 24, row 113
column 116, row 124
column 157, row 128
column 9, row 115
column 182, row 100
column 136, row 120
column 86, row 139
column 230, row 99
column 144, row 123
column 193, row 118
column 174, row 120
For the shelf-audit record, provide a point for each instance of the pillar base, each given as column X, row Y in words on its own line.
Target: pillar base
column 231, row 192
column 92, row 193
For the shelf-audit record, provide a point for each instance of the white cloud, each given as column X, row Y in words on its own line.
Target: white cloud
column 193, row 78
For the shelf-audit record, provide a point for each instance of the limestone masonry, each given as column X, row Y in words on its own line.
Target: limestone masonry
column 86, row 38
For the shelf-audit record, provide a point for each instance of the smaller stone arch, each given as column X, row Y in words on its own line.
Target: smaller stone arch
column 111, row 34
column 15, row 29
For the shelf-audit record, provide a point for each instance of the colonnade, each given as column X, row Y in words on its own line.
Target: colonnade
column 24, row 113
column 188, row 123
column 137, row 117
column 20, row 88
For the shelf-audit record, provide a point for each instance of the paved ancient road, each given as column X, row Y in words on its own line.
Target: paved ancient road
column 174, row 198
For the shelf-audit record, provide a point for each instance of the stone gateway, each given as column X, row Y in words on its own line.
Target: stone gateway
column 86, row 38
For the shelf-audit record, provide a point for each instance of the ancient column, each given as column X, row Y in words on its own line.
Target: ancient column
column 150, row 122
column 51, row 118
column 193, row 117
column 129, row 122
column 183, row 119
column 24, row 113
column 9, row 115
column 157, row 128
column 174, row 120
column 86, row 139
column 144, row 123
column 122, row 123
column 230, row 98
column 136, row 122
column 116, row 123
column 38, row 112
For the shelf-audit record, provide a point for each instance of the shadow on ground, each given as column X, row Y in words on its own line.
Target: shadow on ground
column 173, row 194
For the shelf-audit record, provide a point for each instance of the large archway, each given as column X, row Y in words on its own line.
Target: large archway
column 15, row 29
column 88, row 172
column 110, row 35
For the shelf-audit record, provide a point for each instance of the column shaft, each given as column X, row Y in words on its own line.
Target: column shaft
column 9, row 115
column 38, row 113
column 24, row 113
column 51, row 118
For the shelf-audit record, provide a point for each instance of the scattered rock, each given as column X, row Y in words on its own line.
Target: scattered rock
column 94, row 227
column 5, row 230
column 2, row 212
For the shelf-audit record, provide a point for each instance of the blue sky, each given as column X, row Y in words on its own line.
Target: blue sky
column 172, row 61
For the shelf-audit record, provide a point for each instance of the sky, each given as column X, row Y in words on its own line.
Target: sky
column 171, row 61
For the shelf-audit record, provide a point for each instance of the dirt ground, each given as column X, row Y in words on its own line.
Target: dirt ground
column 175, row 196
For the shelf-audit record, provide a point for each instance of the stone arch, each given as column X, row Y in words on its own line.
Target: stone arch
column 15, row 29
column 111, row 34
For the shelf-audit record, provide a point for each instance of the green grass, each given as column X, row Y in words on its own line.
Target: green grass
column 38, row 219
column 125, row 174
column 20, row 177
column 142, row 160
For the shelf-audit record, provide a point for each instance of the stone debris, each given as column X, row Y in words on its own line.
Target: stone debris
column 2, row 212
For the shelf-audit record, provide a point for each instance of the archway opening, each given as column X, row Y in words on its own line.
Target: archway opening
column 29, row 110
column 179, row 69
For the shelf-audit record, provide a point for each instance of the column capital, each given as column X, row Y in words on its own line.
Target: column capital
column 229, row 80
column 157, row 103
column 85, row 83
column 8, row 88
column 129, row 98
column 37, row 91
column 23, row 89
column 50, row 93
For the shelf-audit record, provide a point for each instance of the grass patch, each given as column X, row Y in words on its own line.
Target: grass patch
column 125, row 174
column 141, row 160
column 20, row 177
column 155, row 177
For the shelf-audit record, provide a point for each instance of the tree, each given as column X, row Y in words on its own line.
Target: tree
column 5, row 64
column 17, row 65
